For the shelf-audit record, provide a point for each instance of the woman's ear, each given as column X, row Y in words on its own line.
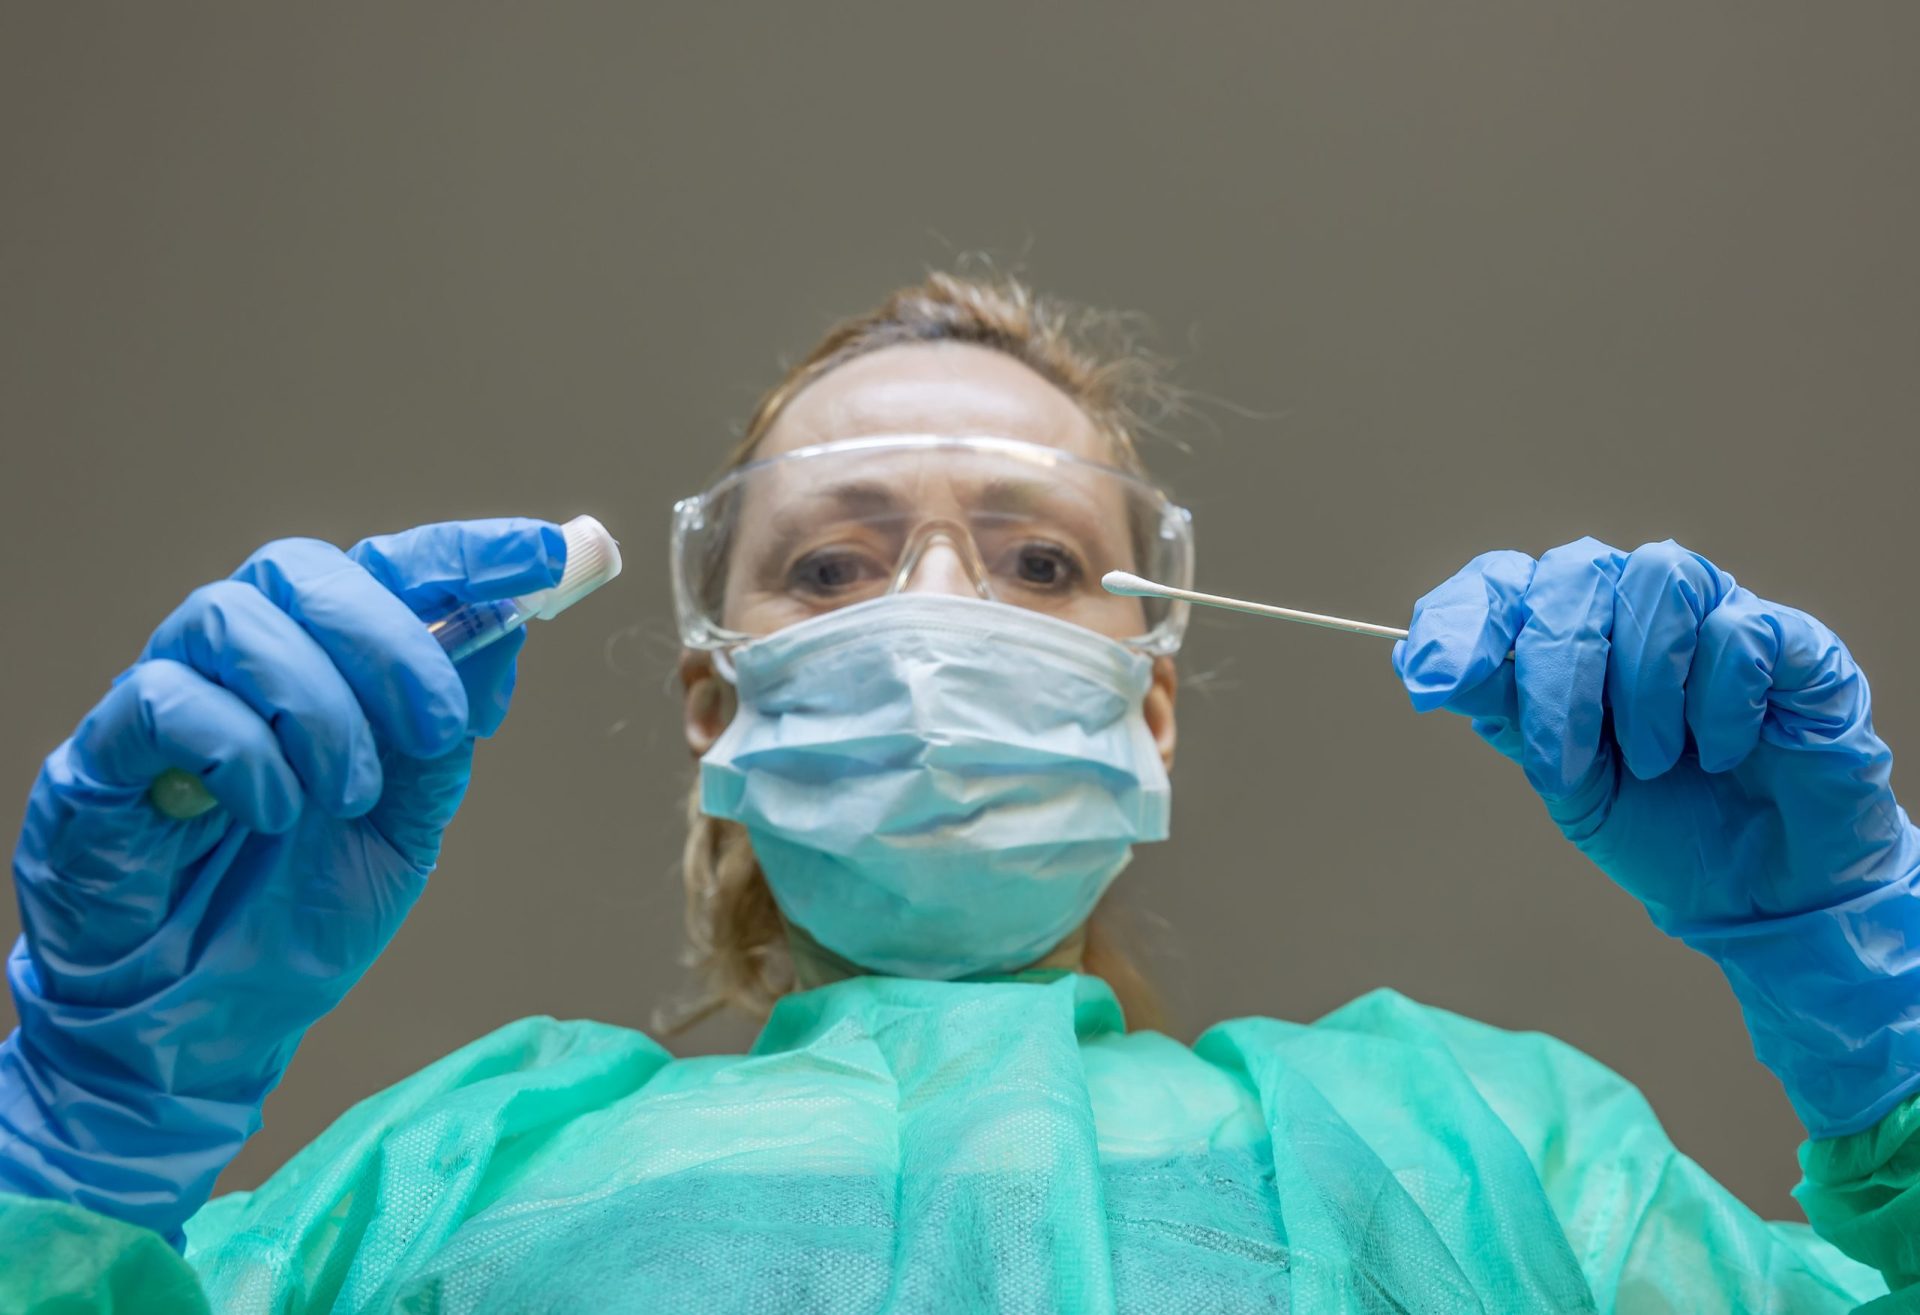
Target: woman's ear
column 707, row 700
column 1159, row 707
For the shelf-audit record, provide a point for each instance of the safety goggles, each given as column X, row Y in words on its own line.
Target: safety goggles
column 790, row 537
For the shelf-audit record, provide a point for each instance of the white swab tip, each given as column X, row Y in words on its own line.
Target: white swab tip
column 1128, row 585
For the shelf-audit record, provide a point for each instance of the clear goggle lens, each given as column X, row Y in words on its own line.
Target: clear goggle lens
column 820, row 528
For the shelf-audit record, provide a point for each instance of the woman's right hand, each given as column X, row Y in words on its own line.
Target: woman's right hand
column 169, row 968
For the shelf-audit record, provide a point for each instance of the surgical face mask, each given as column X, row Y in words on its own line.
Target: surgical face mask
column 938, row 786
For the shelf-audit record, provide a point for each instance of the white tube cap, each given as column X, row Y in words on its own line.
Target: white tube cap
column 593, row 558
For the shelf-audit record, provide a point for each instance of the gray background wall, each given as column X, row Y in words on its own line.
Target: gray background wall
column 1464, row 276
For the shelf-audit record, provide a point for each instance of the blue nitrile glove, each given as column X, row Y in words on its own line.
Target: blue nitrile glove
column 170, row 968
column 1713, row 753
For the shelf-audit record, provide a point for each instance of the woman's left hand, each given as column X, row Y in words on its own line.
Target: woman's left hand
column 1712, row 752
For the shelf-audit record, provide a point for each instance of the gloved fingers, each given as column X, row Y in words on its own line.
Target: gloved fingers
column 433, row 566
column 1732, row 674
column 489, row 676
column 1560, row 664
column 439, row 566
column 230, row 633
column 1462, row 631
column 420, row 800
column 1496, row 696
column 1818, row 698
column 1494, row 706
column 163, row 714
column 405, row 683
column 1663, row 596
column 1500, row 732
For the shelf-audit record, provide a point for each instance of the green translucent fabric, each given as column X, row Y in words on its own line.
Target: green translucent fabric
column 1863, row 1192
column 909, row 1146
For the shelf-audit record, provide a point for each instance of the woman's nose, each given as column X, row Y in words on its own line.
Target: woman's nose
column 942, row 560
column 940, row 571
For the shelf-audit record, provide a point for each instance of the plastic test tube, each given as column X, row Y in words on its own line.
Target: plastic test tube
column 593, row 558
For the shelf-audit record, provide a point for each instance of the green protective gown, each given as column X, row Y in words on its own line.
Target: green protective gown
column 894, row 1145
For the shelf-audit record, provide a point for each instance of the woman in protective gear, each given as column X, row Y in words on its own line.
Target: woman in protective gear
column 927, row 744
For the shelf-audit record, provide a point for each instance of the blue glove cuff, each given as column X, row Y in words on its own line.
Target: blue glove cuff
column 1832, row 998
column 80, row 1123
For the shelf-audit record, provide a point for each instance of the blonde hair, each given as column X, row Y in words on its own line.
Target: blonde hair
column 737, row 941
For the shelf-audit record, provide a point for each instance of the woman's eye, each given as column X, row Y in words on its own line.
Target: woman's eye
column 830, row 572
column 1045, row 566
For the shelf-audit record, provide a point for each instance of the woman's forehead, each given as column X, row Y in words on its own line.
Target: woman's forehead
column 934, row 388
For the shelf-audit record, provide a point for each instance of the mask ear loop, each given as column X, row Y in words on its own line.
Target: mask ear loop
column 960, row 539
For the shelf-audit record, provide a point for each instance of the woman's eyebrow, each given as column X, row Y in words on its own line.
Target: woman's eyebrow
column 797, row 513
column 1009, row 494
column 850, row 497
